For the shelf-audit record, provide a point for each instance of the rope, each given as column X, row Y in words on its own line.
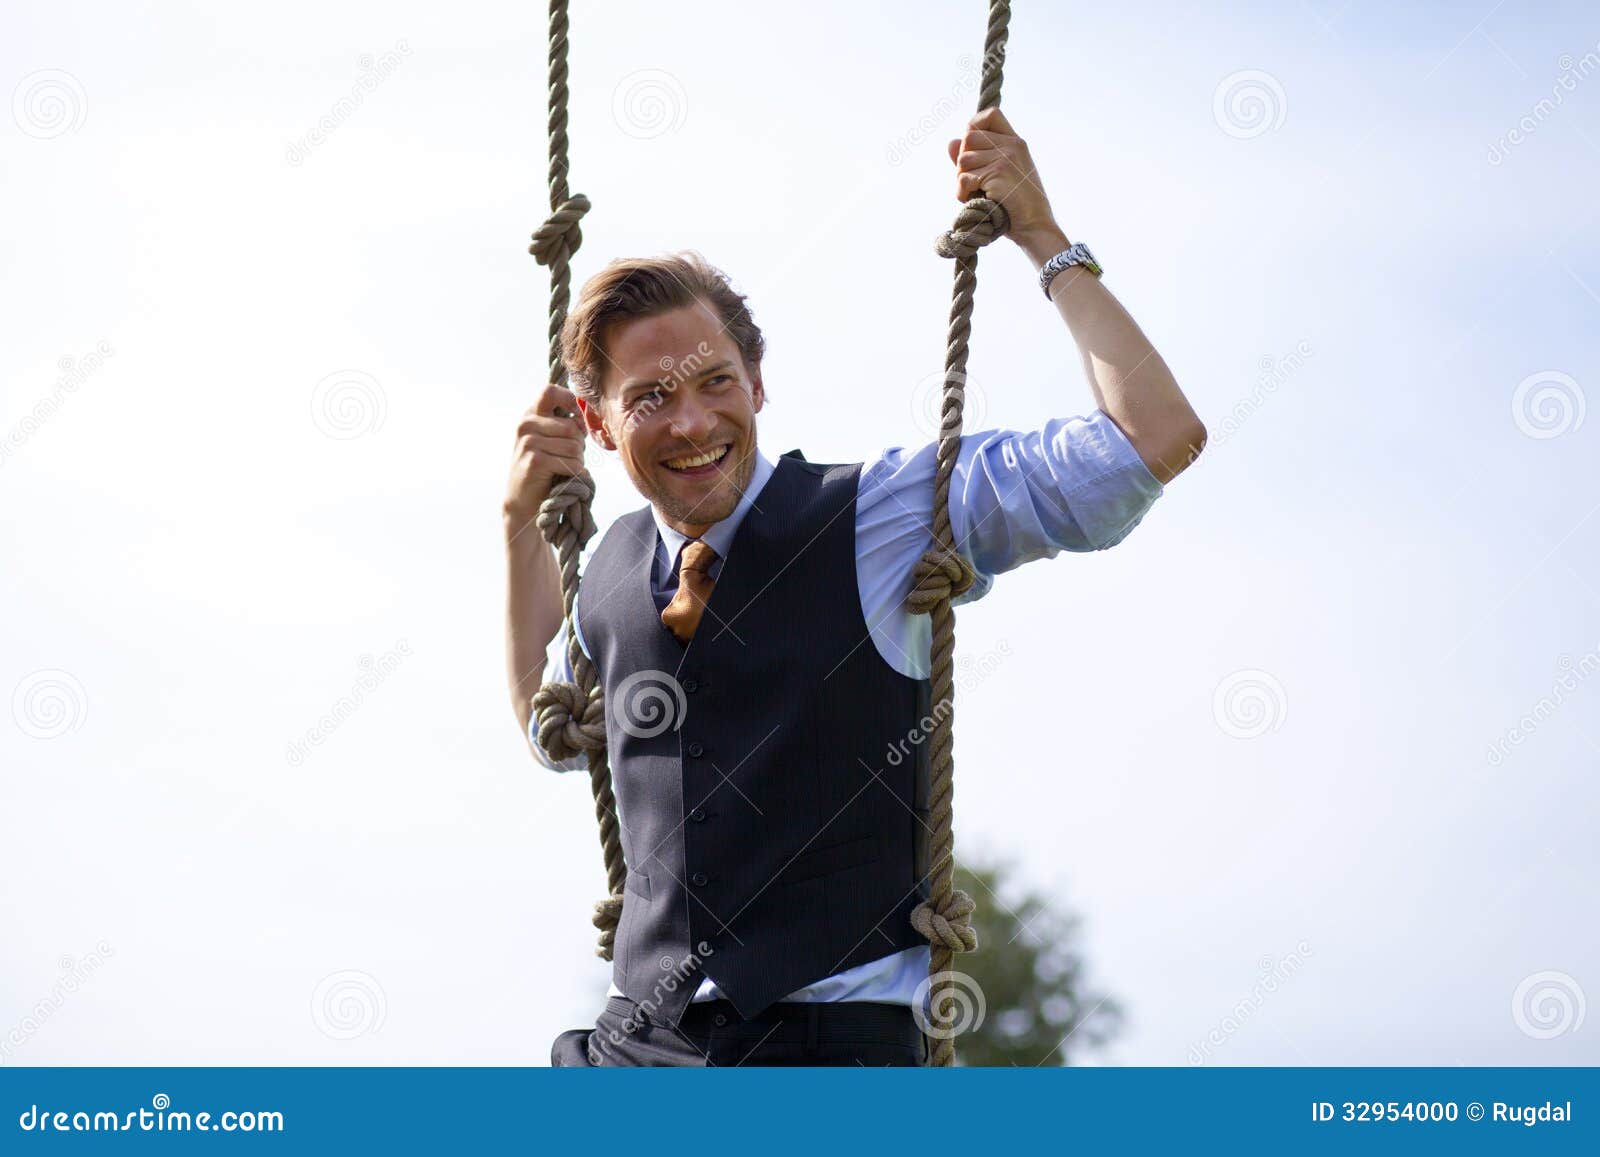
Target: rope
column 572, row 715
column 942, row 573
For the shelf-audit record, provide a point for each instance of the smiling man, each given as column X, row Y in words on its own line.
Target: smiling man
column 749, row 629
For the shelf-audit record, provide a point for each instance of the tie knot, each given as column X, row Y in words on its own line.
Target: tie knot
column 697, row 556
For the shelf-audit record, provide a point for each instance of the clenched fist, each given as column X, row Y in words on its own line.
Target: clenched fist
column 547, row 447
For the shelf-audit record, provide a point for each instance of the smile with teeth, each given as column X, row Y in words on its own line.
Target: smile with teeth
column 699, row 461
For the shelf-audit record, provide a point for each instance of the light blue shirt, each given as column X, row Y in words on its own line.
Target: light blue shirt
column 1077, row 484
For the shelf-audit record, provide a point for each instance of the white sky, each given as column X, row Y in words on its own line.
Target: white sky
column 191, row 546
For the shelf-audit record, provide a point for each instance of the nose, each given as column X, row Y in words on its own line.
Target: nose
column 691, row 420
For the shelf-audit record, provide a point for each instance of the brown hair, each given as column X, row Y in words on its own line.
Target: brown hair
column 634, row 287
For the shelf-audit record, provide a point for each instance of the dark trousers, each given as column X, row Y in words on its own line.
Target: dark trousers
column 711, row 1034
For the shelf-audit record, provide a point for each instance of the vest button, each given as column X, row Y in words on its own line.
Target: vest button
column 696, row 750
column 690, row 686
column 699, row 879
column 720, row 1019
column 698, row 815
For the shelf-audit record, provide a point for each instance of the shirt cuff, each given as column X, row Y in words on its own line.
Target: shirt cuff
column 1120, row 488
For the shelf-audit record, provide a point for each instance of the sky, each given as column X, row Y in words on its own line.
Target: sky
column 1311, row 753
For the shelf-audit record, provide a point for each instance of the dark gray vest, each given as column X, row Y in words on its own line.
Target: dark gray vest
column 772, row 808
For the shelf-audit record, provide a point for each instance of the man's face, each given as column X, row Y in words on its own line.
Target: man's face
column 674, row 388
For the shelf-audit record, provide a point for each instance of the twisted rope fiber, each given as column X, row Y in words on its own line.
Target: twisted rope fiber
column 941, row 574
column 572, row 715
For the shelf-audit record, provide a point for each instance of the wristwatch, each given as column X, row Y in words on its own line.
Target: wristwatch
column 1077, row 254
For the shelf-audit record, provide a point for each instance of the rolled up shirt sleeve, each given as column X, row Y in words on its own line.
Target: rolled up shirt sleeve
column 1076, row 484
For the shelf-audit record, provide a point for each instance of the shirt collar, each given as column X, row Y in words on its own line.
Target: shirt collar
column 720, row 537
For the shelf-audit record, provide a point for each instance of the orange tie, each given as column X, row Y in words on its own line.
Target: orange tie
column 682, row 614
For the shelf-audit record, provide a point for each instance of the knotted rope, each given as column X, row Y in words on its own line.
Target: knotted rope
column 941, row 574
column 572, row 716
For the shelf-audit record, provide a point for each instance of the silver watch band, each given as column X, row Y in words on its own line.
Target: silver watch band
column 1075, row 254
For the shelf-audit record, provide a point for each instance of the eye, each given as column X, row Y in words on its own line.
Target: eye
column 641, row 397
column 720, row 378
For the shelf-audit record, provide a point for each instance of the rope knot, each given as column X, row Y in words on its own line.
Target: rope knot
column 939, row 575
column 946, row 922
column 978, row 222
column 607, row 915
column 570, row 720
column 568, row 504
column 559, row 237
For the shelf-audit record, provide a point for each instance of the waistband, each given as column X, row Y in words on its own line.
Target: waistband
column 838, row 1021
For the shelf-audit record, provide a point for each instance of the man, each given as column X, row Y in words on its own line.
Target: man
column 762, row 675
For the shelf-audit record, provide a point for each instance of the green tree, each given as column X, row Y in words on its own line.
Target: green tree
column 1027, row 975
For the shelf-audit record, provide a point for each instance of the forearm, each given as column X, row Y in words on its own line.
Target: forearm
column 533, row 611
column 1130, row 380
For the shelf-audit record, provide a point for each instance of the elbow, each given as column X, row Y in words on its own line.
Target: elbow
column 1178, row 452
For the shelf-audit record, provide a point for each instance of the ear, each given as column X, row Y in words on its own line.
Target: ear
column 758, row 395
column 595, row 422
